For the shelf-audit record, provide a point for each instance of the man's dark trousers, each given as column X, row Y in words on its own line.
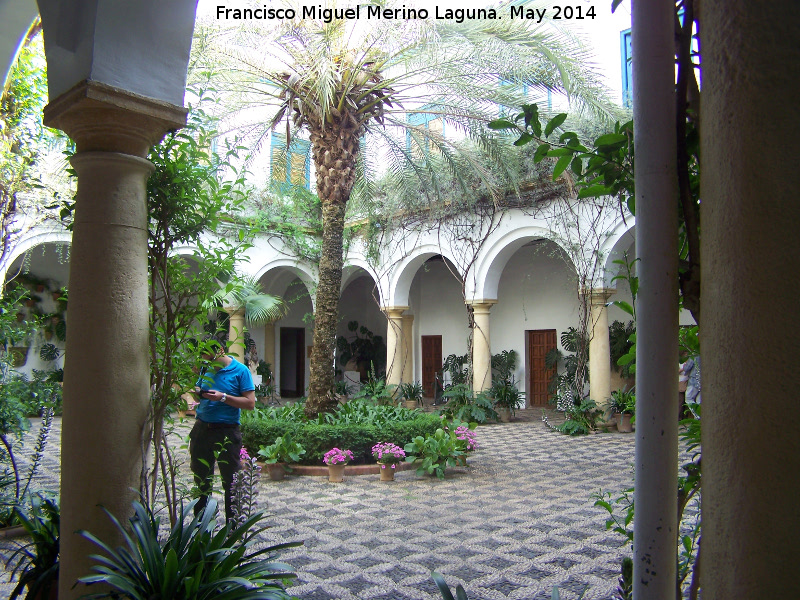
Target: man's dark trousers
column 211, row 443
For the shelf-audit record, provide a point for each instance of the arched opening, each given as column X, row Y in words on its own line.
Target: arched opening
column 440, row 319
column 361, row 333
column 537, row 299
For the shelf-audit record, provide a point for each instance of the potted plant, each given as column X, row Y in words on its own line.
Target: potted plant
column 434, row 453
column 388, row 456
column 35, row 562
column 506, row 397
column 412, row 394
column 623, row 404
column 336, row 460
column 466, row 439
column 279, row 455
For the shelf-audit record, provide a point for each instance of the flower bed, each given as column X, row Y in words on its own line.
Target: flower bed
column 369, row 425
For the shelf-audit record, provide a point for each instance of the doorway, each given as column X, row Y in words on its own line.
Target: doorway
column 538, row 342
column 431, row 363
column 293, row 362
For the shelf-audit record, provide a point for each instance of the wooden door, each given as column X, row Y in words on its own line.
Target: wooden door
column 537, row 344
column 293, row 362
column 431, row 362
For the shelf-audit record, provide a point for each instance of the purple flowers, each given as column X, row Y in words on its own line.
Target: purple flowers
column 335, row 456
column 467, row 437
column 387, row 453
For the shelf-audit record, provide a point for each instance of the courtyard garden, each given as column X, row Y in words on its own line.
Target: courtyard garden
column 515, row 522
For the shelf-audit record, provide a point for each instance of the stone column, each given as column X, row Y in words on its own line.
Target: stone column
column 236, row 332
column 394, row 344
column 655, row 535
column 481, row 347
column 269, row 350
column 107, row 369
column 750, row 332
column 599, row 347
column 408, row 349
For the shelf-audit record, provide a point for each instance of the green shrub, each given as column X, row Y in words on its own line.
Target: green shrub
column 317, row 438
column 464, row 405
column 434, row 453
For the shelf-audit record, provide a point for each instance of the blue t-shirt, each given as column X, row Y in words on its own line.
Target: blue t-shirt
column 235, row 379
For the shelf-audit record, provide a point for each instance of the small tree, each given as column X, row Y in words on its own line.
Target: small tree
column 187, row 202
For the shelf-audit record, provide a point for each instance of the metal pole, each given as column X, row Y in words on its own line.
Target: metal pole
column 655, row 526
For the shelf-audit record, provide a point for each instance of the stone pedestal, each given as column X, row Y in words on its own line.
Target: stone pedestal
column 481, row 346
column 236, row 333
column 408, row 349
column 394, row 344
column 599, row 348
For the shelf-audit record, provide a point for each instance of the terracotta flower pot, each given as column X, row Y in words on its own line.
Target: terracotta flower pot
column 387, row 473
column 504, row 414
column 276, row 471
column 336, row 473
column 411, row 404
column 624, row 423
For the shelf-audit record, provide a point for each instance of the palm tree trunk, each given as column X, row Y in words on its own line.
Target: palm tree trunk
column 326, row 315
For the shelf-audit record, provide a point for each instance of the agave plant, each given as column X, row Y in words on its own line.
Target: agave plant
column 196, row 561
column 462, row 595
column 36, row 562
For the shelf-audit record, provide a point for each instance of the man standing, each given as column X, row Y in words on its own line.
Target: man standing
column 225, row 388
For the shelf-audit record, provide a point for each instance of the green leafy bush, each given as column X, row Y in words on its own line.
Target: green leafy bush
column 355, row 432
column 376, row 391
column 283, row 450
column 434, row 453
column 464, row 405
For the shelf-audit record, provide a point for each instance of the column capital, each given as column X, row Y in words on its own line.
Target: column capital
column 483, row 305
column 394, row 311
column 100, row 117
column 234, row 311
column 598, row 296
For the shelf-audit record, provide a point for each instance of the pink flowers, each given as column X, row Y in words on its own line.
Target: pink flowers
column 467, row 437
column 243, row 455
column 387, row 453
column 335, row 456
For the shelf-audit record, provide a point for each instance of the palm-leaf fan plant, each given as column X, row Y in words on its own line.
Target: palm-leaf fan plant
column 348, row 85
column 244, row 293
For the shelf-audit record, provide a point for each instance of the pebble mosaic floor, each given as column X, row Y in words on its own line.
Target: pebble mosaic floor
column 514, row 523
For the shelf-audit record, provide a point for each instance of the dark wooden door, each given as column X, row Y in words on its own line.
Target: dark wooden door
column 431, row 362
column 537, row 344
column 293, row 362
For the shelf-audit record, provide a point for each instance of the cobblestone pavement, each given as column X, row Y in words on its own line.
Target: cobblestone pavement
column 514, row 523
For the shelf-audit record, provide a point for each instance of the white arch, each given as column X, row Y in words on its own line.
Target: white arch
column 621, row 236
column 290, row 269
column 353, row 268
column 38, row 237
column 403, row 274
column 16, row 17
column 489, row 268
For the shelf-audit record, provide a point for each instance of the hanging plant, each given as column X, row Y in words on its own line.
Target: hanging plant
column 49, row 352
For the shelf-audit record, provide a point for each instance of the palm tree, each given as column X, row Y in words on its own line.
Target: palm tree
column 242, row 296
column 340, row 80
